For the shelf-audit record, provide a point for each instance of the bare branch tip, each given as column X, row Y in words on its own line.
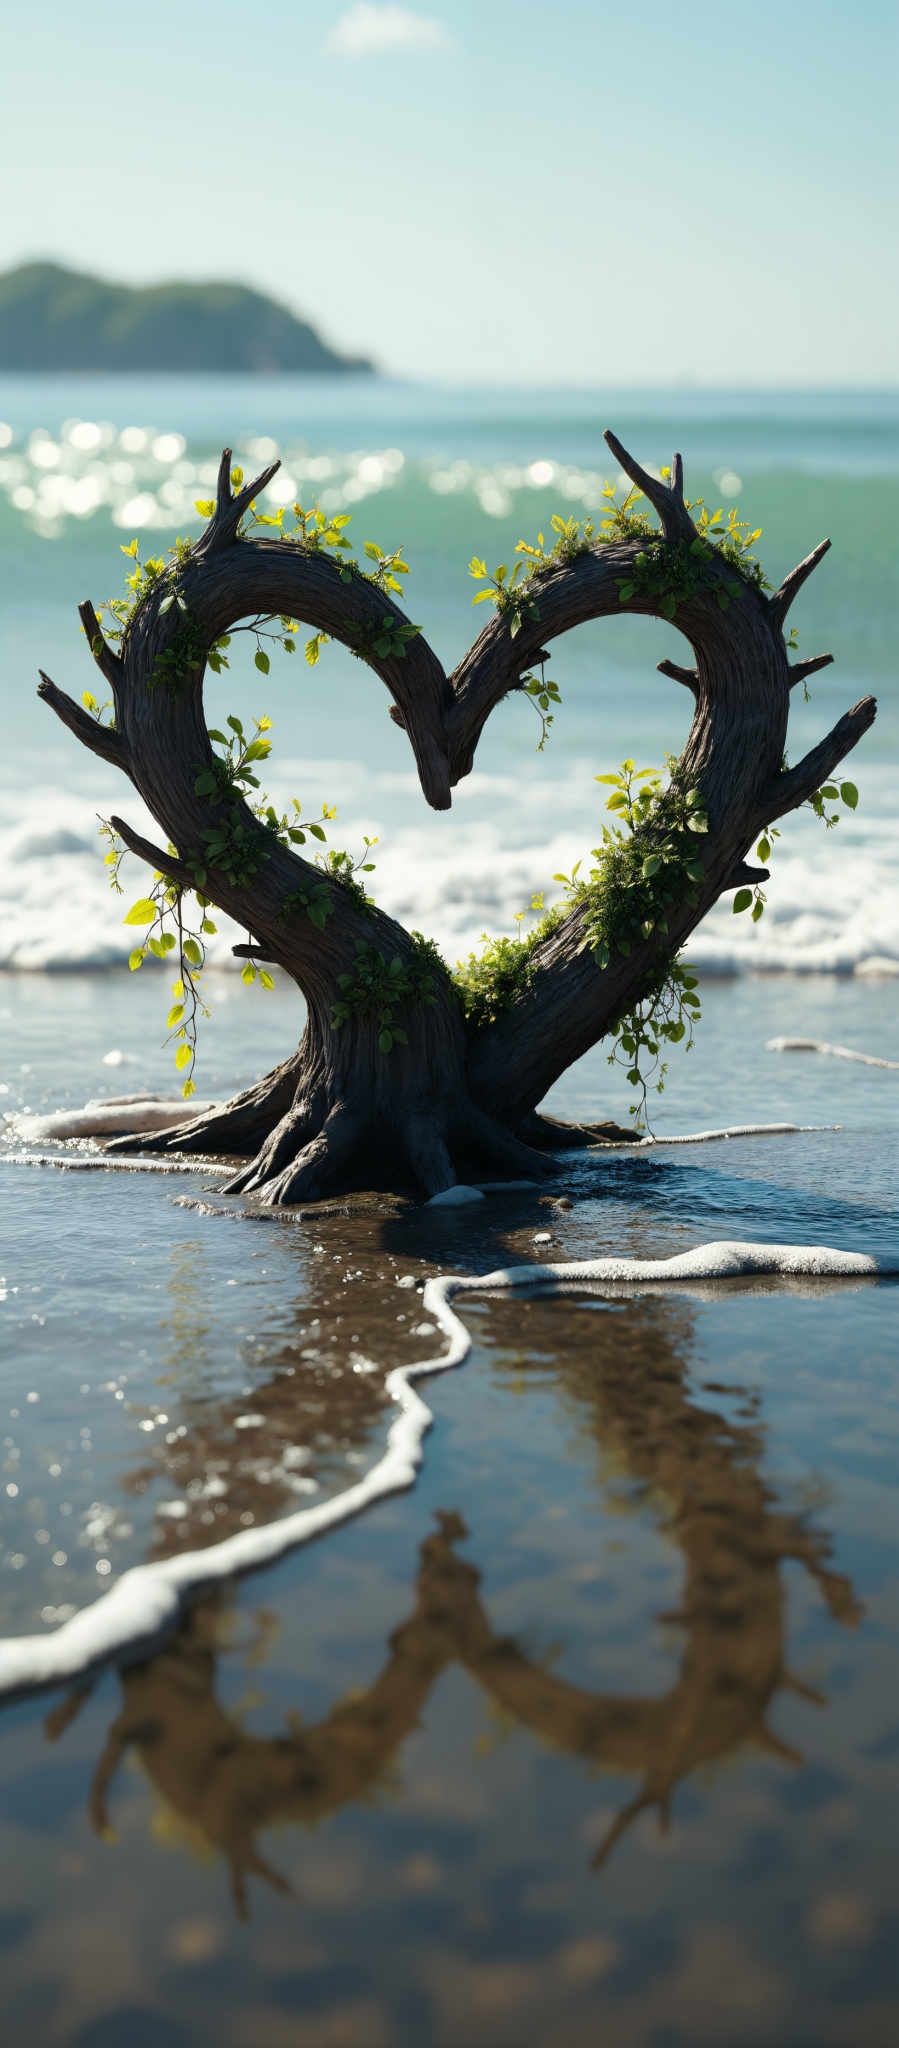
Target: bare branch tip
column 223, row 485
column 687, row 676
column 799, row 670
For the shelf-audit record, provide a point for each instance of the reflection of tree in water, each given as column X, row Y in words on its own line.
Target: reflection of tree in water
column 623, row 1369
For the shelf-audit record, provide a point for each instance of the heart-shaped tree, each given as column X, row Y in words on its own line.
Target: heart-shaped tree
column 399, row 1078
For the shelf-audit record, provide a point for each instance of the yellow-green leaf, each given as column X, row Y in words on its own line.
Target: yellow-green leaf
column 183, row 1056
column 141, row 912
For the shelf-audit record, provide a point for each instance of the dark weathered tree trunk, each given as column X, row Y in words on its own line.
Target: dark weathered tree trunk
column 340, row 1110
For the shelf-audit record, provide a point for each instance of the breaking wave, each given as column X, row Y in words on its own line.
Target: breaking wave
column 826, row 914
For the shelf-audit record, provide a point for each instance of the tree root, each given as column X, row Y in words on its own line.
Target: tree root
column 551, row 1134
column 314, row 1151
column 237, row 1127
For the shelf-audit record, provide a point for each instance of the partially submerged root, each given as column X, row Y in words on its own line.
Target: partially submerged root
column 554, row 1135
column 313, row 1150
column 233, row 1128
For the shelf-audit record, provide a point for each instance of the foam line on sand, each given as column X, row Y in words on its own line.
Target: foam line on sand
column 147, row 1599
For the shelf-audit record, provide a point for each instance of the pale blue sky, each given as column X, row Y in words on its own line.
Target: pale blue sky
column 499, row 191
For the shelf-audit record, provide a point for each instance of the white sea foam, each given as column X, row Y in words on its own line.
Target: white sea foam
column 147, row 1599
column 459, row 876
column 837, row 1052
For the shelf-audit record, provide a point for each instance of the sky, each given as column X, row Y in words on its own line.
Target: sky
column 479, row 190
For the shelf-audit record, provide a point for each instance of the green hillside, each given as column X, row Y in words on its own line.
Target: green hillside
column 57, row 319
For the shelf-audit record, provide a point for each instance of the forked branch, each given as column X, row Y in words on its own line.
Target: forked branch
column 231, row 506
column 666, row 499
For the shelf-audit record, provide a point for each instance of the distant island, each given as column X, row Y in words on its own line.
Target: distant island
column 57, row 319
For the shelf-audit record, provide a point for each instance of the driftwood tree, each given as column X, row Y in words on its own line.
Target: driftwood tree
column 456, row 1096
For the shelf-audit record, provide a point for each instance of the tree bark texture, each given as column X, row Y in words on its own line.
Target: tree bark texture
column 340, row 1111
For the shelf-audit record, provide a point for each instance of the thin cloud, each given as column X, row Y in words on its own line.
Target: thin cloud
column 365, row 29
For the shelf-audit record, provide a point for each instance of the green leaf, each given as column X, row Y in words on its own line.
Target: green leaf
column 192, row 953
column 625, row 591
column 385, row 1041
column 141, row 912
column 742, row 900
column 262, row 661
column 849, row 794
column 136, row 959
column 651, row 866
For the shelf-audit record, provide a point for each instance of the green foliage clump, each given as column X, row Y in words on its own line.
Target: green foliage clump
column 376, row 638
column 377, row 988
column 648, row 864
column 489, row 981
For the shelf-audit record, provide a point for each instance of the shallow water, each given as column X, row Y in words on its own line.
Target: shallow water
column 593, row 1733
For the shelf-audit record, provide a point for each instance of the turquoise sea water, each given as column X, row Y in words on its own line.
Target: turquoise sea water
column 592, row 1735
